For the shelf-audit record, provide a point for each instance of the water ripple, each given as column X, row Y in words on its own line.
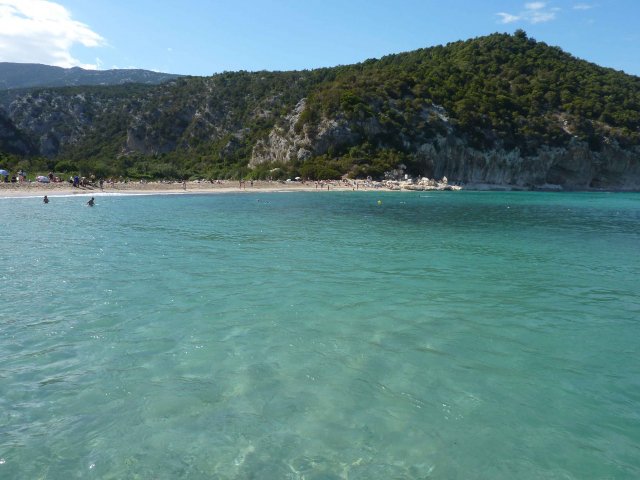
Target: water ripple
column 321, row 337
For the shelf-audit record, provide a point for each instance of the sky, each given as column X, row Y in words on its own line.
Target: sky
column 203, row 37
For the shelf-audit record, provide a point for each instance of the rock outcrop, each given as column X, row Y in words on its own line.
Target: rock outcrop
column 286, row 143
column 575, row 166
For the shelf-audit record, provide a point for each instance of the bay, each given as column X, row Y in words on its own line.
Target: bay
column 321, row 335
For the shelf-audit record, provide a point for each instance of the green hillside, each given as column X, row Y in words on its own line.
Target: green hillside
column 486, row 101
column 506, row 88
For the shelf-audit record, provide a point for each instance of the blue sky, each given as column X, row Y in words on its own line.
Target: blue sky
column 200, row 37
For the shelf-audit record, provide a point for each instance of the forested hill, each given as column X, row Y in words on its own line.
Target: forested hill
column 501, row 109
column 29, row 75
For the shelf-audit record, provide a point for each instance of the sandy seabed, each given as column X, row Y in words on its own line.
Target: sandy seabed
column 30, row 189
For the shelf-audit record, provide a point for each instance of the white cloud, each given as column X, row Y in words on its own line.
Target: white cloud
column 541, row 17
column 508, row 18
column 582, row 6
column 41, row 31
column 534, row 12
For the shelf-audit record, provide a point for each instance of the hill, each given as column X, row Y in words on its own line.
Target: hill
column 500, row 109
column 30, row 75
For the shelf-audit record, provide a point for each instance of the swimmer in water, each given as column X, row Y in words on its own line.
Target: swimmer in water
column 91, row 202
column 45, row 199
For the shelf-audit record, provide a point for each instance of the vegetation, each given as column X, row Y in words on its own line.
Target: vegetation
column 499, row 91
column 500, row 88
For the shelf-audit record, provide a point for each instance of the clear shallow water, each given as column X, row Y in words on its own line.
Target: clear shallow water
column 293, row 335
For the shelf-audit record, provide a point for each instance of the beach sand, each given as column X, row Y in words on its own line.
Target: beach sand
column 30, row 189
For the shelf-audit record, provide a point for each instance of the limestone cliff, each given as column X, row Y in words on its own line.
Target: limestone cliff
column 574, row 166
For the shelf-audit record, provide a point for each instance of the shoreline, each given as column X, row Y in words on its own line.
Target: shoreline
column 33, row 189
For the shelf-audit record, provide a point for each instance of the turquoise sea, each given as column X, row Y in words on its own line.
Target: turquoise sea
column 445, row 335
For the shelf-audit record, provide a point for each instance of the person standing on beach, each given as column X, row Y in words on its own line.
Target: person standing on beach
column 45, row 199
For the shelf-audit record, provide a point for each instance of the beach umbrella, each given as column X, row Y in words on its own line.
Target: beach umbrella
column 4, row 173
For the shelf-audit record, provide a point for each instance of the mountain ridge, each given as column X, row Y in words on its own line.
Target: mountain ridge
column 15, row 75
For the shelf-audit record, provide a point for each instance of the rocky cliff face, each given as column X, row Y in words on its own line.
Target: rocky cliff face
column 11, row 138
column 449, row 154
column 573, row 167
column 286, row 142
column 291, row 140
column 141, row 120
column 52, row 121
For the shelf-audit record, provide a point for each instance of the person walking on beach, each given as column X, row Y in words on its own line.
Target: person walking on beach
column 91, row 202
column 45, row 199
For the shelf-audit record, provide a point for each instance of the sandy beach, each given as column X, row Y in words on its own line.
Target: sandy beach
column 29, row 189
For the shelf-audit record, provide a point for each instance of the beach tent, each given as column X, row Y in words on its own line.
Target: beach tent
column 3, row 173
column 42, row 179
